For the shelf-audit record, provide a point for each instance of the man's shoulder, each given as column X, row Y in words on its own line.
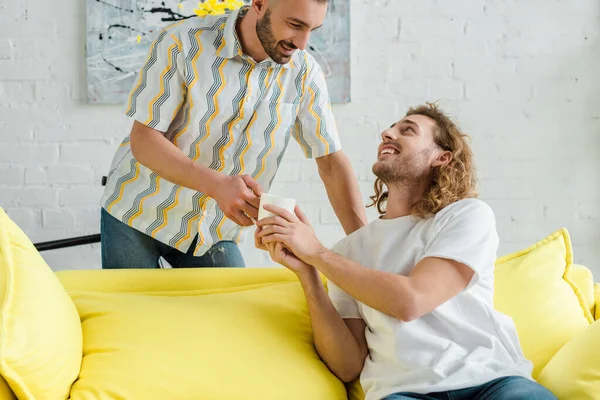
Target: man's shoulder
column 468, row 209
column 307, row 62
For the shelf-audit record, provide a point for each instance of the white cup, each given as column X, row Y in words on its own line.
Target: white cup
column 283, row 202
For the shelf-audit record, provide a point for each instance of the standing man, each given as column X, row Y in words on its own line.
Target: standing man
column 215, row 106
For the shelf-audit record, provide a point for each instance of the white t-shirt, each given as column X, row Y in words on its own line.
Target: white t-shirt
column 464, row 342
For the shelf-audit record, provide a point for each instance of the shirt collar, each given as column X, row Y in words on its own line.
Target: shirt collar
column 232, row 48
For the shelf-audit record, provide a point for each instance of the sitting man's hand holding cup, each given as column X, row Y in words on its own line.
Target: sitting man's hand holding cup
column 266, row 198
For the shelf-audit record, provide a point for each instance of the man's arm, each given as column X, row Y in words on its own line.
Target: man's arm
column 433, row 281
column 340, row 342
column 153, row 150
column 430, row 284
column 234, row 194
column 466, row 243
column 341, row 184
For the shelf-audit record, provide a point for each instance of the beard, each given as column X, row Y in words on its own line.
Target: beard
column 404, row 169
column 264, row 31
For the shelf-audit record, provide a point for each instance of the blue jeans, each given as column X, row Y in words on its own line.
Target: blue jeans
column 507, row 388
column 126, row 247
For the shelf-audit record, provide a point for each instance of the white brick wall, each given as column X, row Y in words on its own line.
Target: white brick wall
column 521, row 75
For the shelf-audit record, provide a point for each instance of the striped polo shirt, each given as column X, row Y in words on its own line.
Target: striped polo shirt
column 224, row 111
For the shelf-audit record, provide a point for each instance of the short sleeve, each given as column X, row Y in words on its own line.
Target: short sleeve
column 159, row 89
column 315, row 129
column 467, row 234
column 345, row 304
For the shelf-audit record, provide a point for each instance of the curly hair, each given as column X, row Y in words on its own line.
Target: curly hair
column 451, row 182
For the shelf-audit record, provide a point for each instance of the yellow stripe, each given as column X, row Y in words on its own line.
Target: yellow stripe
column 215, row 100
column 176, row 40
column 162, row 86
column 318, row 130
column 170, row 27
column 264, row 160
column 141, row 209
column 219, row 234
column 304, row 75
column 189, row 225
column 239, row 236
column 189, row 91
column 137, row 173
column 252, row 120
column 125, row 142
column 180, row 103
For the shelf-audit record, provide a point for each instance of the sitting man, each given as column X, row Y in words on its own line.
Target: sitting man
column 410, row 302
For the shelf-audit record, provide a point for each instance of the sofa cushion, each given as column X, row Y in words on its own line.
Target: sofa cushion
column 5, row 392
column 574, row 372
column 597, row 300
column 533, row 287
column 40, row 330
column 246, row 342
column 582, row 278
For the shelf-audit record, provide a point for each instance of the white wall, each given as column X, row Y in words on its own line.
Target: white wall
column 523, row 77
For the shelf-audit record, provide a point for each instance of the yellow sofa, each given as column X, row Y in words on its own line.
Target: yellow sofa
column 228, row 334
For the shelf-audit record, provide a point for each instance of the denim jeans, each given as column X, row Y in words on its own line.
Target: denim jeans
column 507, row 388
column 125, row 247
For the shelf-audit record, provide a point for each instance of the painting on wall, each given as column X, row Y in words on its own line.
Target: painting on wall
column 120, row 32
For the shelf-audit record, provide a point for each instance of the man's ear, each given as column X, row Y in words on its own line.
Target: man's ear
column 258, row 6
column 442, row 159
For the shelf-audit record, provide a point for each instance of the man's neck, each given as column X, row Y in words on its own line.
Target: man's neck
column 246, row 31
column 402, row 197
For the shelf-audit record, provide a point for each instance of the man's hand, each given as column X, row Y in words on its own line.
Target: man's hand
column 284, row 257
column 293, row 231
column 239, row 198
column 258, row 243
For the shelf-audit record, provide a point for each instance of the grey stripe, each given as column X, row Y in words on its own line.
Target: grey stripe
column 319, row 112
column 138, row 199
column 270, row 127
column 237, row 160
column 195, row 48
column 120, row 182
column 183, row 230
column 216, row 162
column 160, row 210
column 213, row 227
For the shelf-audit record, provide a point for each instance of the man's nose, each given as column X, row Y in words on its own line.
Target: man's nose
column 388, row 134
column 301, row 40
